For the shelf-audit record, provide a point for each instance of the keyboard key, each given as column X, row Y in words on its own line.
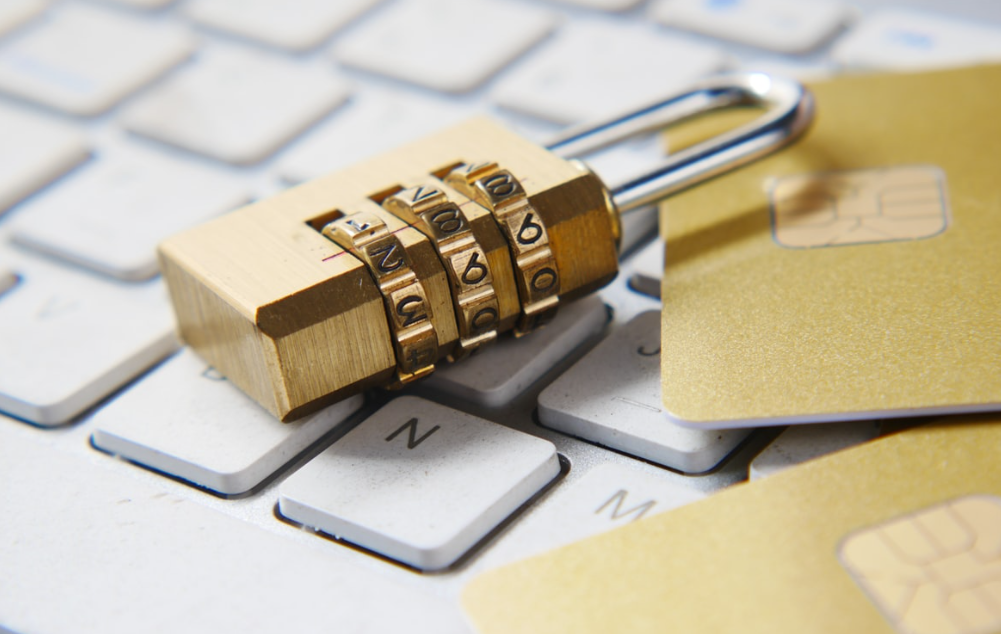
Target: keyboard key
column 608, row 496
column 69, row 339
column 802, row 69
column 143, row 4
column 648, row 269
column 612, row 397
column 621, row 60
column 110, row 215
column 449, row 45
column 785, row 26
column 800, row 443
column 369, row 124
column 236, row 105
column 291, row 24
column 84, row 60
column 419, row 482
column 119, row 554
column 14, row 13
column 496, row 375
column 35, row 151
column 187, row 420
column 908, row 40
column 624, row 301
column 604, row 5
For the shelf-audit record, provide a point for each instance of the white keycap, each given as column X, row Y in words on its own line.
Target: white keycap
column 450, row 45
column 120, row 555
column 612, row 397
column 647, row 269
column 625, row 302
column 84, row 60
column 494, row 376
column 808, row 69
column 909, row 40
column 111, row 214
column 236, row 105
column 613, row 68
column 70, row 339
column 14, row 13
column 187, row 420
column 35, row 151
column 800, row 443
column 604, row 5
column 292, row 24
column 369, row 124
column 609, row 496
column 419, row 482
column 143, row 4
column 626, row 160
column 785, row 26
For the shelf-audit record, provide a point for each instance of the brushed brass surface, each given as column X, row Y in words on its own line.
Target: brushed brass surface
column 297, row 322
column 411, row 318
column 439, row 217
column 537, row 275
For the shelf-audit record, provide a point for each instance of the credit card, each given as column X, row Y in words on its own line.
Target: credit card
column 855, row 274
column 900, row 535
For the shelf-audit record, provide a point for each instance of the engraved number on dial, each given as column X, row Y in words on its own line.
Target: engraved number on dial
column 406, row 308
column 500, row 185
column 475, row 272
column 358, row 226
column 420, row 356
column 544, row 279
column 530, row 232
column 447, row 220
column 484, row 317
column 389, row 260
column 422, row 193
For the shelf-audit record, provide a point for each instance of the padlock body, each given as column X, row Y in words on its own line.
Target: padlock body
column 297, row 322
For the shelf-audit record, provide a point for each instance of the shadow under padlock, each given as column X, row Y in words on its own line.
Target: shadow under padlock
column 369, row 276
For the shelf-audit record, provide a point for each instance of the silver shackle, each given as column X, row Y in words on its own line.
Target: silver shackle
column 788, row 112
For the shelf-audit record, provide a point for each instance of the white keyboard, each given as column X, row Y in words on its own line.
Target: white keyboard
column 141, row 491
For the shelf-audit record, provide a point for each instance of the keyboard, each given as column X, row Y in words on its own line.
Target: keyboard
column 142, row 491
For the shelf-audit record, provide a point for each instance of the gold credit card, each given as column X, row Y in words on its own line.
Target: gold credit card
column 856, row 273
column 901, row 535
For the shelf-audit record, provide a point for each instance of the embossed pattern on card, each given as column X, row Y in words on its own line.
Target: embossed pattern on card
column 935, row 571
column 905, row 202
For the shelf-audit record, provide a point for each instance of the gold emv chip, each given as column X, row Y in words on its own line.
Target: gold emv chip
column 904, row 202
column 935, row 571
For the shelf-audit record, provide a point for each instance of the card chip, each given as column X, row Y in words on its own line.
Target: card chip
column 884, row 204
column 935, row 571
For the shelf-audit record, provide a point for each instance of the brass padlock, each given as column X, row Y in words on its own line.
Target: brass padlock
column 372, row 275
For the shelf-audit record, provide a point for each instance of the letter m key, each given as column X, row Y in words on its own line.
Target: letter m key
column 616, row 502
column 412, row 440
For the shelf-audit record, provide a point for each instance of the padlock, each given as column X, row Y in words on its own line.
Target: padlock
column 373, row 275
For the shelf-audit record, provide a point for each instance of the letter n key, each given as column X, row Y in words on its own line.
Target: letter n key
column 412, row 440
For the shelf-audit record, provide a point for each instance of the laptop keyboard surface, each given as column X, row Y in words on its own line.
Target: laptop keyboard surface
column 145, row 492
